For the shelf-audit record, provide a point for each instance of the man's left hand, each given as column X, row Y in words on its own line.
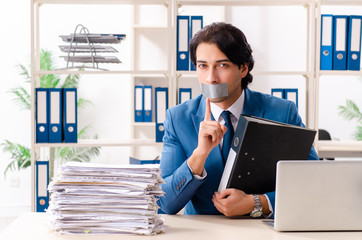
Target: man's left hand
column 233, row 202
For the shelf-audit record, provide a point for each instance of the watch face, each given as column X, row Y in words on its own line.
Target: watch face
column 256, row 214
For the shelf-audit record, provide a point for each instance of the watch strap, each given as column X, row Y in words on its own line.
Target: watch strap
column 258, row 210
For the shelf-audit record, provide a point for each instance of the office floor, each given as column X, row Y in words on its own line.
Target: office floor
column 5, row 221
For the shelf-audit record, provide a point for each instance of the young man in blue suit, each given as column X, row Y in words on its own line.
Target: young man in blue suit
column 192, row 162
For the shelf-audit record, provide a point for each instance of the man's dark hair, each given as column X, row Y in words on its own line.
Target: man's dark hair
column 231, row 41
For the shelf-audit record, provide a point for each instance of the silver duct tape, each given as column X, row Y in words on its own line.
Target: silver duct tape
column 214, row 90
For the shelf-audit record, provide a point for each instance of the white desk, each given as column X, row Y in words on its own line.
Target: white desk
column 182, row 227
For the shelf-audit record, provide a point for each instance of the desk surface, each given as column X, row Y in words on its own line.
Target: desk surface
column 183, row 227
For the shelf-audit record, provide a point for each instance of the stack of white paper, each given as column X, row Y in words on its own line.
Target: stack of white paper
column 100, row 199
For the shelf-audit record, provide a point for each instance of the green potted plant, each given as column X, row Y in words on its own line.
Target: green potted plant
column 20, row 155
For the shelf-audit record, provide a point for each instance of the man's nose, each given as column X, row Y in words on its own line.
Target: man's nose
column 212, row 77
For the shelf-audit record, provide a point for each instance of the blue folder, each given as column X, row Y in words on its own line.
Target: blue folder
column 184, row 94
column 161, row 102
column 195, row 26
column 183, row 43
column 354, row 43
column 326, row 42
column 70, row 115
column 42, row 115
column 292, row 95
column 138, row 103
column 278, row 92
column 340, row 40
column 286, row 93
column 42, row 181
column 55, row 115
column 147, row 103
column 136, row 161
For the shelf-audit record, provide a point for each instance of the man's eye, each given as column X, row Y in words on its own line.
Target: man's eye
column 201, row 66
column 222, row 65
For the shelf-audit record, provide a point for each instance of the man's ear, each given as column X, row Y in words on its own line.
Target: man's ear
column 244, row 69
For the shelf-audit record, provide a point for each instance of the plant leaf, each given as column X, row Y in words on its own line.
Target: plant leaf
column 24, row 72
column 46, row 60
column 83, row 103
column 22, row 98
column 350, row 111
column 20, row 156
column 71, row 81
column 358, row 133
column 55, row 82
column 82, row 133
column 79, row 154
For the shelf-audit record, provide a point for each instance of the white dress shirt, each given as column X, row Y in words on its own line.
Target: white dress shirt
column 236, row 110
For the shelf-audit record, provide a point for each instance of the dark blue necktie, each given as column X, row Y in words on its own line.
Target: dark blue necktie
column 228, row 137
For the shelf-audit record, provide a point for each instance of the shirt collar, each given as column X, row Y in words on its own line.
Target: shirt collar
column 236, row 108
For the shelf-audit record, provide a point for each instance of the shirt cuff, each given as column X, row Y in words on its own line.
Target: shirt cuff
column 197, row 177
column 270, row 208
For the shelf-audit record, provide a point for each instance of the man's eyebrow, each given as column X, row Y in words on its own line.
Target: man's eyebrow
column 223, row 60
column 218, row 61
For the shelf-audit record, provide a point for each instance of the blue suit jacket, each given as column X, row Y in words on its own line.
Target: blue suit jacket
column 180, row 140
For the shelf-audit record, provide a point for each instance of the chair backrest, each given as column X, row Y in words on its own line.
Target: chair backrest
column 323, row 135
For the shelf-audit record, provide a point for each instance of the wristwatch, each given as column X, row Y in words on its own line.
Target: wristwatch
column 258, row 210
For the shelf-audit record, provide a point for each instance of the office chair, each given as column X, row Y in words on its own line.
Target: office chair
column 324, row 135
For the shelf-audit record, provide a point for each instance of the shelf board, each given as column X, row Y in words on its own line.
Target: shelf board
column 186, row 73
column 344, row 72
column 102, row 143
column 155, row 27
column 254, row 73
column 144, row 124
column 339, row 148
column 265, row 73
column 95, row 72
column 339, row 2
column 130, row 2
column 245, row 2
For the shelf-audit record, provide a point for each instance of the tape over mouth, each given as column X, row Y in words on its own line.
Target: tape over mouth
column 214, row 90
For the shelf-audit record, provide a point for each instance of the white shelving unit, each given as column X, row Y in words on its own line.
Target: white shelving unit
column 133, row 72
column 140, row 31
column 333, row 148
column 173, row 79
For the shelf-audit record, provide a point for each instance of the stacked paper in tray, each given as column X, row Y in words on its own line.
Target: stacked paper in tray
column 101, row 199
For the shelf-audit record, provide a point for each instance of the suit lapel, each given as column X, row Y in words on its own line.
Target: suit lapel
column 199, row 116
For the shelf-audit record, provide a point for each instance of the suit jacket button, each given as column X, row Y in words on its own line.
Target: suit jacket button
column 177, row 188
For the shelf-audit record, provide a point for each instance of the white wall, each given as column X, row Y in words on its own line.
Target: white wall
column 15, row 124
column 278, row 45
column 265, row 29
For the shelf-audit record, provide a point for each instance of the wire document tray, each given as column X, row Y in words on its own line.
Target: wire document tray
column 89, row 59
column 86, row 49
column 82, row 49
column 93, row 38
